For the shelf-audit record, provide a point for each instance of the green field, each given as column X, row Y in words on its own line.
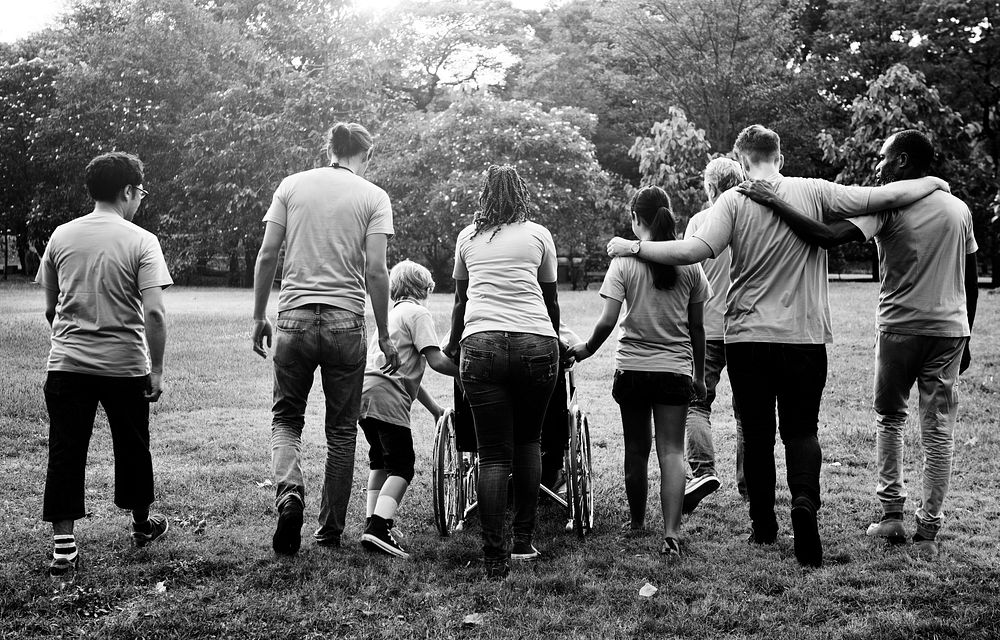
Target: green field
column 210, row 450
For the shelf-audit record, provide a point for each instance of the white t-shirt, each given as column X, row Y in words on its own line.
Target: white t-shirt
column 389, row 397
column 100, row 263
column 717, row 272
column 922, row 250
column 779, row 282
column 653, row 332
column 503, row 271
column 327, row 214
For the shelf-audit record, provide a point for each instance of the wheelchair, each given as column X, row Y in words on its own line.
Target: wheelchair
column 456, row 465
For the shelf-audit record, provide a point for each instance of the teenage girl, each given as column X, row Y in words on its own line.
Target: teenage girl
column 661, row 341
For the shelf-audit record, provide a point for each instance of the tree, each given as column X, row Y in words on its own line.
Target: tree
column 434, row 169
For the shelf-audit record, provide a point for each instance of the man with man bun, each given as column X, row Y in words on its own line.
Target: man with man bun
column 335, row 226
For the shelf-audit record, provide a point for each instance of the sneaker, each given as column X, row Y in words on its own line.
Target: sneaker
column 326, row 538
column 697, row 490
column 158, row 526
column 756, row 538
column 889, row 527
column 63, row 568
column 671, row 549
column 524, row 551
column 496, row 568
column 808, row 547
column 288, row 532
column 925, row 548
column 378, row 537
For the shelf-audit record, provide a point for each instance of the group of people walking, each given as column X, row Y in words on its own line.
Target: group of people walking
column 746, row 288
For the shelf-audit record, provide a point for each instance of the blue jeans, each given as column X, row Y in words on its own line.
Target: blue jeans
column 793, row 377
column 508, row 379
column 334, row 340
column 932, row 362
column 700, row 447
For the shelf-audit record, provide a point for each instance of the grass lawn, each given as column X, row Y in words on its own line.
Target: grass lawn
column 220, row 579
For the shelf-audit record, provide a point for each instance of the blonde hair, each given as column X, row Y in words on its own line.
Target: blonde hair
column 724, row 174
column 410, row 280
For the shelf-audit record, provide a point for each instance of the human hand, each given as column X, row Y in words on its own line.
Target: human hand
column 940, row 184
column 391, row 355
column 966, row 359
column 700, row 390
column 579, row 352
column 259, row 331
column 154, row 386
column 618, row 247
column 452, row 351
column 759, row 191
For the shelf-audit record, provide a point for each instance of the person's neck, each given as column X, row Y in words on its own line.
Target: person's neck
column 109, row 207
column 353, row 164
column 762, row 170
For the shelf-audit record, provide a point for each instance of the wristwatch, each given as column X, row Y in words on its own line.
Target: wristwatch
column 634, row 249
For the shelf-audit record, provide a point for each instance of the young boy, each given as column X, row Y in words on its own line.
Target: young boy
column 386, row 400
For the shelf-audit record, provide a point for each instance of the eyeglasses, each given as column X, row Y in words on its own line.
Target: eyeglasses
column 142, row 192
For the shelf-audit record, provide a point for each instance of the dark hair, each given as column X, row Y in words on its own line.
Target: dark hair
column 652, row 206
column 503, row 200
column 109, row 173
column 757, row 142
column 347, row 139
column 917, row 147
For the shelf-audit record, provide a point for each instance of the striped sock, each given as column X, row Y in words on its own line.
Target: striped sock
column 64, row 547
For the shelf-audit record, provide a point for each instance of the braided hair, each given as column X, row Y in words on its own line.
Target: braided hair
column 504, row 199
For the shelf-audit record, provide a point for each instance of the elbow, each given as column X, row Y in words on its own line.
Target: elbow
column 156, row 318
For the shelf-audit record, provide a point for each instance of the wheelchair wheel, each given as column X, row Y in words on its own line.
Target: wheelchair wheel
column 448, row 477
column 580, row 486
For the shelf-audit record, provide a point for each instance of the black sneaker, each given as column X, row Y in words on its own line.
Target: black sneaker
column 496, row 568
column 326, row 538
column 808, row 547
column 158, row 526
column 288, row 532
column 697, row 490
column 760, row 539
column 524, row 552
column 63, row 568
column 378, row 537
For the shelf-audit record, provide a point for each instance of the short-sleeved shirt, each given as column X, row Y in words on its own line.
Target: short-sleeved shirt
column 389, row 397
column 327, row 214
column 922, row 250
column 503, row 271
column 100, row 263
column 653, row 333
column 717, row 271
column 779, row 282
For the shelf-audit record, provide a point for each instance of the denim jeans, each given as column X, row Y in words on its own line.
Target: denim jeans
column 334, row 340
column 793, row 376
column 508, row 379
column 932, row 362
column 700, row 447
column 71, row 399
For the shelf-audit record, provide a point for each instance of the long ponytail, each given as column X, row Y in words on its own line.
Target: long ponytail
column 652, row 206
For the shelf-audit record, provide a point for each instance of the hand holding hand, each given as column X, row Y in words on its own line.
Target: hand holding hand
column 759, row 191
column 259, row 331
column 391, row 355
column 579, row 352
column 618, row 247
column 154, row 387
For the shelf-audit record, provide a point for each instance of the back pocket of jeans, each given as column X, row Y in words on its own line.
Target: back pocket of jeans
column 540, row 369
column 476, row 365
column 292, row 325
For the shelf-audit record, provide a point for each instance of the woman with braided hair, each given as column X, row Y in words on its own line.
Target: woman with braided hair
column 505, row 323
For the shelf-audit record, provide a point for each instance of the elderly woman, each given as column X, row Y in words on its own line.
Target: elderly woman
column 507, row 317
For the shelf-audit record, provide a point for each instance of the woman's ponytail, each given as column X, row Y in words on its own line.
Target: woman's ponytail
column 652, row 206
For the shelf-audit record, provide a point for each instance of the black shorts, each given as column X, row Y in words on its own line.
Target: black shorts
column 390, row 447
column 652, row 387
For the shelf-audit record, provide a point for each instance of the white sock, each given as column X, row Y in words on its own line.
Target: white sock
column 386, row 507
column 64, row 547
column 372, row 501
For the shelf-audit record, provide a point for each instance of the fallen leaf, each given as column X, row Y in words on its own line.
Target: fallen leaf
column 161, row 587
column 265, row 483
column 834, row 464
column 648, row 590
column 473, row 619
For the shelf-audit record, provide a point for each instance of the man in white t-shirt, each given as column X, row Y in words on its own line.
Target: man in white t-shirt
column 335, row 226
column 777, row 322
column 103, row 278
column 927, row 305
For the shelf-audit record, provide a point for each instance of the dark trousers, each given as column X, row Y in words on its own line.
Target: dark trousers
column 508, row 378
column 792, row 376
column 71, row 399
